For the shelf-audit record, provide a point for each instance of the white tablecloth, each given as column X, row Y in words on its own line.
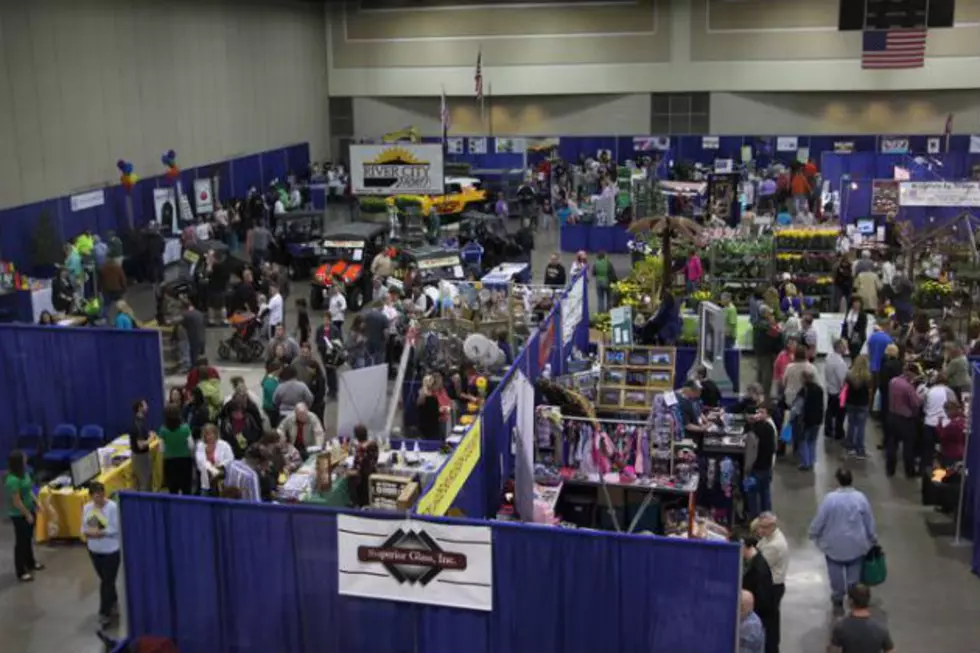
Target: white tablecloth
column 504, row 273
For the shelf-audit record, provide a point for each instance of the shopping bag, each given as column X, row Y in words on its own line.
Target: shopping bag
column 843, row 395
column 786, row 435
column 874, row 571
column 876, row 404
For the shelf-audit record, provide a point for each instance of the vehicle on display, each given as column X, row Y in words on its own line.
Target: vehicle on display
column 434, row 263
column 347, row 251
column 490, row 231
column 297, row 243
column 460, row 194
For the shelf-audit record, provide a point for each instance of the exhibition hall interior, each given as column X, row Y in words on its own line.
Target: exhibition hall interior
column 503, row 326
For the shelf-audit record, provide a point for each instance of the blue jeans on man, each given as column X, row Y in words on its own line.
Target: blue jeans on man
column 808, row 446
column 843, row 576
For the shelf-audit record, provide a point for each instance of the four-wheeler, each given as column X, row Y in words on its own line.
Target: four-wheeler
column 434, row 263
column 297, row 242
column 347, row 252
column 490, row 231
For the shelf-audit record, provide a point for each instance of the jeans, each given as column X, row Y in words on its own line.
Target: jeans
column 857, row 417
column 843, row 575
column 337, row 330
column 602, row 295
column 24, row 561
column 107, row 568
column 808, row 446
column 760, row 497
column 773, row 632
column 900, row 431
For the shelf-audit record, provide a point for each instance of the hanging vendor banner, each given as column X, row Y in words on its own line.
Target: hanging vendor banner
column 543, row 144
column 415, row 562
column 397, row 169
column 572, row 312
column 891, row 145
column 87, row 200
column 203, row 200
column 546, row 341
column 651, row 143
column 477, row 145
column 844, row 147
column 974, row 144
column 453, row 475
column 524, row 450
column 884, row 196
column 509, row 145
column 165, row 209
column 710, row 142
column 454, row 145
column 787, row 144
column 939, row 193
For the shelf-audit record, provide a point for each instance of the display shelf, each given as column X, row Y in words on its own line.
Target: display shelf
column 631, row 376
column 808, row 255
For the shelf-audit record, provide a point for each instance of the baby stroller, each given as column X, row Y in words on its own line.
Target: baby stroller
column 248, row 338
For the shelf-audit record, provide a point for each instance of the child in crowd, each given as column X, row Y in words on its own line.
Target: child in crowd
column 302, row 321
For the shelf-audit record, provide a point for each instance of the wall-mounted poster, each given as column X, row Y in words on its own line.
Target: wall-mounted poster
column 940, row 193
column 844, row 147
column 165, row 209
column 787, row 144
column 398, row 168
column 884, row 196
column 477, row 145
column 651, row 143
column 894, row 145
column 454, row 145
column 203, row 200
column 710, row 142
column 933, row 145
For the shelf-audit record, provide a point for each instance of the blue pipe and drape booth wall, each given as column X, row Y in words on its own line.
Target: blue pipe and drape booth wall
column 236, row 177
column 234, row 577
column 971, row 499
column 63, row 375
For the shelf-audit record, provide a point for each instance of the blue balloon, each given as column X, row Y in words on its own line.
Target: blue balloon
column 165, row 160
column 171, row 155
column 128, row 168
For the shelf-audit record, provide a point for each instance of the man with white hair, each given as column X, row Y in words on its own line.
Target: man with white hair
column 751, row 635
column 774, row 548
column 302, row 429
column 864, row 263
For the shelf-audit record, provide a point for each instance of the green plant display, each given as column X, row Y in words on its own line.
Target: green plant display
column 373, row 205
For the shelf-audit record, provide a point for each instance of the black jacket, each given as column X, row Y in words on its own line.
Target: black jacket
column 860, row 331
column 813, row 404
column 757, row 578
column 765, row 435
column 554, row 274
column 62, row 294
column 710, row 394
column 252, row 431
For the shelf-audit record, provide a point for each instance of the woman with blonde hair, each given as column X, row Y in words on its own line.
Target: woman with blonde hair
column 212, row 455
column 857, row 405
column 429, row 408
column 775, row 550
column 125, row 317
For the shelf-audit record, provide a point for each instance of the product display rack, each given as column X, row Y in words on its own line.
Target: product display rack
column 739, row 266
column 631, row 376
column 808, row 255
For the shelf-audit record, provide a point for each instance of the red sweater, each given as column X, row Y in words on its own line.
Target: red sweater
column 952, row 438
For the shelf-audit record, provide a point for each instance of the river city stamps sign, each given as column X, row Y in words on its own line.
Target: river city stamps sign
column 415, row 561
column 397, row 169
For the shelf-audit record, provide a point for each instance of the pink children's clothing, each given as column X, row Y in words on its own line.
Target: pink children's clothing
column 693, row 270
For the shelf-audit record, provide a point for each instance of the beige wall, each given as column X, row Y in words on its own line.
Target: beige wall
column 624, row 47
column 83, row 84
column 844, row 113
column 584, row 115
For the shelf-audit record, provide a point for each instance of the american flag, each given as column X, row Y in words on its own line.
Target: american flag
column 444, row 115
column 891, row 49
column 948, row 130
column 478, row 77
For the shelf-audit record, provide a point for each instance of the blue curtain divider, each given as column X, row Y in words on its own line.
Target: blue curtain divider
column 264, row 577
column 55, row 375
column 20, row 223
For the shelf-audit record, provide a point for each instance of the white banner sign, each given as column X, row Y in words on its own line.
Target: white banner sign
column 572, row 311
column 397, row 169
column 416, row 562
column 974, row 144
column 710, row 142
column 508, row 397
column 939, row 193
column 203, row 201
column 87, row 200
column 524, row 455
column 787, row 144
column 477, row 144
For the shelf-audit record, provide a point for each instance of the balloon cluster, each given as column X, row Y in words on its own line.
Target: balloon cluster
column 128, row 178
column 170, row 161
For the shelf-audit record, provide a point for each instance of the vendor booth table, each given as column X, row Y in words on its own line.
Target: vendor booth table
column 501, row 276
column 593, row 238
column 59, row 514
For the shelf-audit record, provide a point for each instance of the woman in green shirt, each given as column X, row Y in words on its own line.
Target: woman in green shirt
column 20, row 508
column 178, row 463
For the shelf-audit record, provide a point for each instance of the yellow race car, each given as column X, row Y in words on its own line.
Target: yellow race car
column 461, row 194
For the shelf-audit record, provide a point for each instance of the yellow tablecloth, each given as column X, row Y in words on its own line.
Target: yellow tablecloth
column 59, row 512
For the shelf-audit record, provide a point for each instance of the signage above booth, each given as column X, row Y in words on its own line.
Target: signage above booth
column 397, row 169
column 939, row 193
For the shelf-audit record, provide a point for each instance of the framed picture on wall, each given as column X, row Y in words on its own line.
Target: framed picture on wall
column 893, row 145
column 710, row 142
column 454, row 145
column 477, row 145
column 933, row 145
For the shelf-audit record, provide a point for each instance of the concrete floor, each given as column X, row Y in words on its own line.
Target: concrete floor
column 930, row 601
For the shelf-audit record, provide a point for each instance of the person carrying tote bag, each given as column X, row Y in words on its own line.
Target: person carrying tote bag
column 874, row 569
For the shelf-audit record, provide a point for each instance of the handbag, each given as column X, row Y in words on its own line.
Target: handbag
column 843, row 395
column 786, row 434
column 874, row 569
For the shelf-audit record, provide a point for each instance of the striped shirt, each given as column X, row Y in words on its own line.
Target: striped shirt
column 239, row 474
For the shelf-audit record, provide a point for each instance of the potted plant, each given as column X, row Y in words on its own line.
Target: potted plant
column 47, row 247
